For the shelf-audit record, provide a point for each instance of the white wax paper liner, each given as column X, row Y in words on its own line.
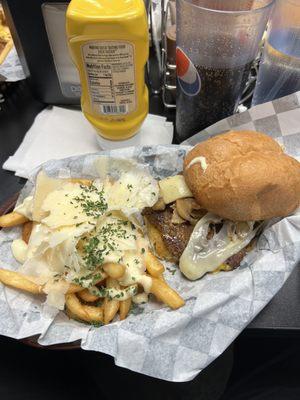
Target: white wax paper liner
column 170, row 345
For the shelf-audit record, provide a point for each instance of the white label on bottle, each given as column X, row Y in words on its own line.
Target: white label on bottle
column 110, row 75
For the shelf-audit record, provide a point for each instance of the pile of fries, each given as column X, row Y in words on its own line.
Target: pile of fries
column 6, row 42
column 81, row 304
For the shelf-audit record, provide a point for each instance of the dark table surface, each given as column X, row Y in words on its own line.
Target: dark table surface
column 17, row 113
column 30, row 373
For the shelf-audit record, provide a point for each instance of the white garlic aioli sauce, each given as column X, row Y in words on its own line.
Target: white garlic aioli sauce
column 119, row 294
column 140, row 298
column 135, row 271
column 126, row 246
column 199, row 160
column 85, row 227
column 19, row 249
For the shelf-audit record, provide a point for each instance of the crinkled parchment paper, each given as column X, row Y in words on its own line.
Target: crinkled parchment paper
column 170, row 345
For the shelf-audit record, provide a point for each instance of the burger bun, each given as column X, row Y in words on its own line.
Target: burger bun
column 243, row 176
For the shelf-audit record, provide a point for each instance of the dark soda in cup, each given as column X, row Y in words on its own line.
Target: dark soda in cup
column 219, row 96
column 217, row 42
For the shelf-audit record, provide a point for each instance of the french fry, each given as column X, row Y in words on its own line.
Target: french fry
column 26, row 231
column 73, row 288
column 81, row 181
column 18, row 281
column 114, row 270
column 161, row 278
column 7, row 47
column 81, row 311
column 153, row 265
column 157, row 241
column 111, row 307
column 124, row 308
column 85, row 295
column 12, row 219
column 95, row 314
column 163, row 292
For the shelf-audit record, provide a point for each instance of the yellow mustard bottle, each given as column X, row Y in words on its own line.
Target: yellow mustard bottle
column 109, row 43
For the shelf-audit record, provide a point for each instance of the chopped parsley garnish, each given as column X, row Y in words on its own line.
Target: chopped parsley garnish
column 143, row 250
column 98, row 303
column 135, row 309
column 172, row 271
column 93, row 278
column 129, row 187
column 100, row 291
column 103, row 241
column 96, row 324
column 111, row 294
column 91, row 207
column 57, row 277
column 93, row 255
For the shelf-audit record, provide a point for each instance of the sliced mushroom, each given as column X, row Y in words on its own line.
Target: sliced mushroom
column 176, row 218
column 189, row 210
column 159, row 205
column 198, row 214
column 243, row 229
column 231, row 231
column 238, row 230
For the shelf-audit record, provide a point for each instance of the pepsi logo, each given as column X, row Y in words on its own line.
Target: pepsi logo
column 187, row 75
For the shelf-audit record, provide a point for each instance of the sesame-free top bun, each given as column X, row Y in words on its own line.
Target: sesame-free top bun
column 243, row 176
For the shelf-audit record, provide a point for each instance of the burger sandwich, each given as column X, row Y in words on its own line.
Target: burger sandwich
column 208, row 217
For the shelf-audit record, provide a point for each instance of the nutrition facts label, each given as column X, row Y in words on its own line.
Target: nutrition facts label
column 110, row 72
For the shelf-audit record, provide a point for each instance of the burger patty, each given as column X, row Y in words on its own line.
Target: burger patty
column 174, row 236
column 235, row 260
column 177, row 236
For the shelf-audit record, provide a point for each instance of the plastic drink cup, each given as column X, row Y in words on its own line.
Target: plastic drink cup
column 279, row 71
column 217, row 42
